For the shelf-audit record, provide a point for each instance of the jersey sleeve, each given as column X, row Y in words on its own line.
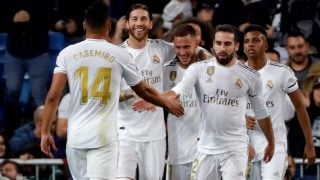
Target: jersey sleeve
column 188, row 81
column 169, row 51
column 60, row 63
column 130, row 71
column 64, row 106
column 256, row 99
column 290, row 81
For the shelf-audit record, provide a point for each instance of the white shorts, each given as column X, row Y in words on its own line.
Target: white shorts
column 93, row 163
column 274, row 170
column 179, row 171
column 149, row 156
column 229, row 166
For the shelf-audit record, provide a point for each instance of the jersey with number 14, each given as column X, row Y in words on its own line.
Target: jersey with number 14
column 222, row 92
column 94, row 69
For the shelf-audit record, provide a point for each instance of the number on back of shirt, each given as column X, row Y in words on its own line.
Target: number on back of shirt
column 100, row 86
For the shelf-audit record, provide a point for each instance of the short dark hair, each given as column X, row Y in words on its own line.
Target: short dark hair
column 97, row 14
column 138, row 6
column 184, row 30
column 255, row 27
column 297, row 34
column 228, row 28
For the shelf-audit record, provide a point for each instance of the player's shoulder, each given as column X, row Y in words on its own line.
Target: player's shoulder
column 278, row 66
column 172, row 63
column 159, row 42
column 248, row 70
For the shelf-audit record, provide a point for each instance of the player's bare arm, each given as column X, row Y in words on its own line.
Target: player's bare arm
column 47, row 142
column 267, row 130
column 151, row 95
column 304, row 121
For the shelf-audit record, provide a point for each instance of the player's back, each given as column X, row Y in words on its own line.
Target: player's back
column 94, row 69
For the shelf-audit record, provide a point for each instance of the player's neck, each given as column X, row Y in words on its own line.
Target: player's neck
column 137, row 44
column 93, row 35
column 257, row 63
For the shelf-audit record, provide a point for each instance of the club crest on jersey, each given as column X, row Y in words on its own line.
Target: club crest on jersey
column 210, row 72
column 238, row 84
column 269, row 85
column 155, row 59
column 173, row 76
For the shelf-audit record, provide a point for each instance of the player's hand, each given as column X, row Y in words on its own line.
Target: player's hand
column 250, row 122
column 310, row 154
column 268, row 153
column 47, row 143
column 251, row 152
column 142, row 105
column 174, row 107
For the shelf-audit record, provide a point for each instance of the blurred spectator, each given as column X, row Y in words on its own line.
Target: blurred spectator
column 204, row 11
column 174, row 11
column 229, row 12
column 300, row 60
column 203, row 30
column 273, row 55
column 5, row 149
column 11, row 170
column 33, row 151
column 28, row 133
column 71, row 14
column 157, row 30
column 28, row 24
column 303, row 16
column 118, row 31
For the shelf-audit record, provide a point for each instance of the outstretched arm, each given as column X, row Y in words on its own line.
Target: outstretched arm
column 151, row 95
column 304, row 121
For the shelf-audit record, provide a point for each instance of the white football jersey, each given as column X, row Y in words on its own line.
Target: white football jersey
column 94, row 69
column 183, row 131
column 222, row 92
column 147, row 125
column 277, row 81
column 64, row 107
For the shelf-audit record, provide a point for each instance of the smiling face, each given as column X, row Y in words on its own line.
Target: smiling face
column 139, row 24
column 185, row 49
column 224, row 47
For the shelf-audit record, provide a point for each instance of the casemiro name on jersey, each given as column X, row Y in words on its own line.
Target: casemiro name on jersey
column 93, row 53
